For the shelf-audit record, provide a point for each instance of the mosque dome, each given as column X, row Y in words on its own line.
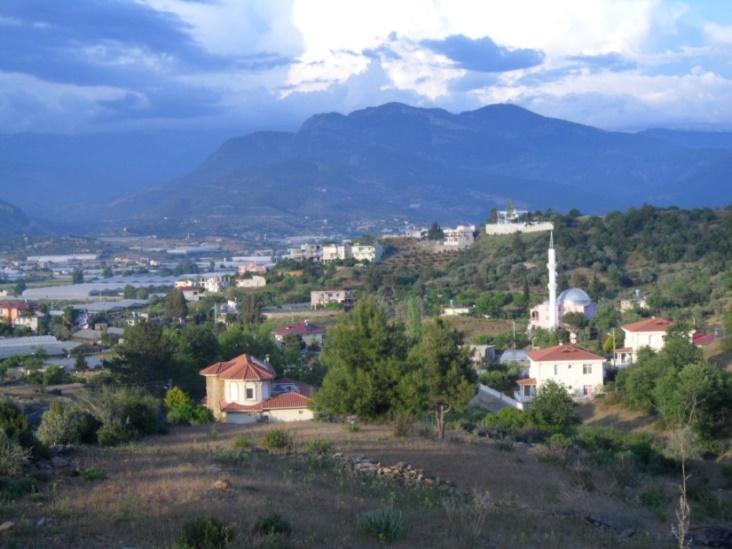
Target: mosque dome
column 574, row 296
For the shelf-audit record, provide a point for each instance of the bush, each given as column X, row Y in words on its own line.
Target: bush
column 16, row 427
column 319, row 446
column 272, row 524
column 92, row 473
column 65, row 423
column 176, row 397
column 183, row 411
column 385, row 525
column 401, row 425
column 654, row 498
column 242, row 442
column 12, row 456
column 553, row 408
column 277, row 440
column 206, row 533
column 124, row 413
column 507, row 422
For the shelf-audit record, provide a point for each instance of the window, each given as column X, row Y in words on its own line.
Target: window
column 556, row 369
column 250, row 393
column 587, row 369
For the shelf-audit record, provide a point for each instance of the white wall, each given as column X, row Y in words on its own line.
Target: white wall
column 292, row 414
column 511, row 228
column 569, row 373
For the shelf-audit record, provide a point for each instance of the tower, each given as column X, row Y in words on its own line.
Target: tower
column 552, row 268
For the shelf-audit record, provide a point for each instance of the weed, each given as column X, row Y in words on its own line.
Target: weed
column 319, row 446
column 402, row 425
column 277, row 440
column 384, row 525
column 242, row 442
column 91, row 473
column 272, row 524
column 206, row 533
column 504, row 446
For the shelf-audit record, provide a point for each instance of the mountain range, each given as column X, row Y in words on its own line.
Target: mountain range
column 12, row 220
column 392, row 163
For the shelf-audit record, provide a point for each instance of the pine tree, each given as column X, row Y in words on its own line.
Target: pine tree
column 175, row 306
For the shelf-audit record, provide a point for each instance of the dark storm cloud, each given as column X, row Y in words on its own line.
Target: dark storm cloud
column 483, row 54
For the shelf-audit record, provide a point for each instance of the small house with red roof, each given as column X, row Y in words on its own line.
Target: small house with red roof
column 245, row 389
column 306, row 331
column 649, row 332
column 578, row 370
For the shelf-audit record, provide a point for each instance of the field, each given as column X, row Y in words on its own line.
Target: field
column 151, row 488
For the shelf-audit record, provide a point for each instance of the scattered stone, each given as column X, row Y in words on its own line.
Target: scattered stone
column 610, row 522
column 6, row 526
column 222, row 484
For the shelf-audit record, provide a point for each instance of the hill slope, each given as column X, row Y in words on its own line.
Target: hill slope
column 12, row 219
column 397, row 162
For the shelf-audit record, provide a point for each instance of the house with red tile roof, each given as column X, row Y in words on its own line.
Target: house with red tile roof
column 245, row 389
column 580, row 371
column 649, row 332
column 306, row 331
column 18, row 312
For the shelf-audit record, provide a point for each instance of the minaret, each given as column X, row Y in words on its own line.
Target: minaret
column 552, row 267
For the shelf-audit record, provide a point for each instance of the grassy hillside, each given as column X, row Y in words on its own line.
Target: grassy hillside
column 503, row 496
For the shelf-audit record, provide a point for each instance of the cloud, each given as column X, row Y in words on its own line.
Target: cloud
column 483, row 54
column 612, row 61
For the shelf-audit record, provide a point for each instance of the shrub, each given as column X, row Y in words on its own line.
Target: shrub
column 16, row 426
column 242, row 442
column 553, row 408
column 385, row 525
column 183, row 411
column 277, row 440
column 176, row 397
column 654, row 498
column 319, row 446
column 12, row 456
column 124, row 413
column 206, row 533
column 402, row 425
column 92, row 473
column 507, row 422
column 65, row 423
column 272, row 524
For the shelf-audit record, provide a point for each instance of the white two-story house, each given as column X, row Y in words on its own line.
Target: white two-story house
column 650, row 333
column 244, row 390
column 578, row 370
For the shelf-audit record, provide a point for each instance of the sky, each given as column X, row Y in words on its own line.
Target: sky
column 82, row 66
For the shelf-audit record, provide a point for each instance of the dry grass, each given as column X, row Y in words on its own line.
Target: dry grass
column 472, row 327
column 155, row 486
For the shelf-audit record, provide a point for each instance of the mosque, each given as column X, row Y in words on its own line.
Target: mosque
column 549, row 314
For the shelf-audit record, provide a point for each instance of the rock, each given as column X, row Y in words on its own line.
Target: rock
column 6, row 526
column 41, row 521
column 222, row 484
column 618, row 524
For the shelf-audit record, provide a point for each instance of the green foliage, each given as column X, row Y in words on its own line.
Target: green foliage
column 319, row 446
column 12, row 456
column 16, row 427
column 553, row 408
column 92, row 473
column 507, row 422
column 146, row 356
column 435, row 232
column 66, row 423
column 501, row 377
column 277, row 440
column 242, row 442
column 272, row 524
column 124, row 413
column 206, row 533
column 77, row 276
column 654, row 498
column 366, row 359
column 384, row 525
column 241, row 339
column 175, row 307
column 183, row 411
column 176, row 397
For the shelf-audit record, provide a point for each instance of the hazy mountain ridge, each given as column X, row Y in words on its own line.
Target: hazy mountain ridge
column 397, row 162
column 12, row 219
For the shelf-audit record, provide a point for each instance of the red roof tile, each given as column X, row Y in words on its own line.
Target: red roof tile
column 283, row 401
column 624, row 350
column 14, row 304
column 302, row 388
column 243, row 367
column 527, row 381
column 299, row 329
column 700, row 339
column 649, row 325
column 562, row 352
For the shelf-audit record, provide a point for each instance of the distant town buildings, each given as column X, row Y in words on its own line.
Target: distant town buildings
column 322, row 298
column 460, row 237
column 309, row 333
column 256, row 281
column 649, row 333
column 516, row 221
column 333, row 251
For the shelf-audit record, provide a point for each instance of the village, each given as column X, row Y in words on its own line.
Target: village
column 254, row 339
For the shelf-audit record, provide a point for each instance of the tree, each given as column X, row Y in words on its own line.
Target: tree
column 727, row 340
column 250, row 310
column 493, row 216
column 129, row 292
column 77, row 276
column 145, row 357
column 366, row 359
column 435, row 232
column 413, row 315
column 553, row 408
column 80, row 364
column 443, row 378
column 107, row 272
column 176, row 308
column 292, row 347
column 20, row 287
